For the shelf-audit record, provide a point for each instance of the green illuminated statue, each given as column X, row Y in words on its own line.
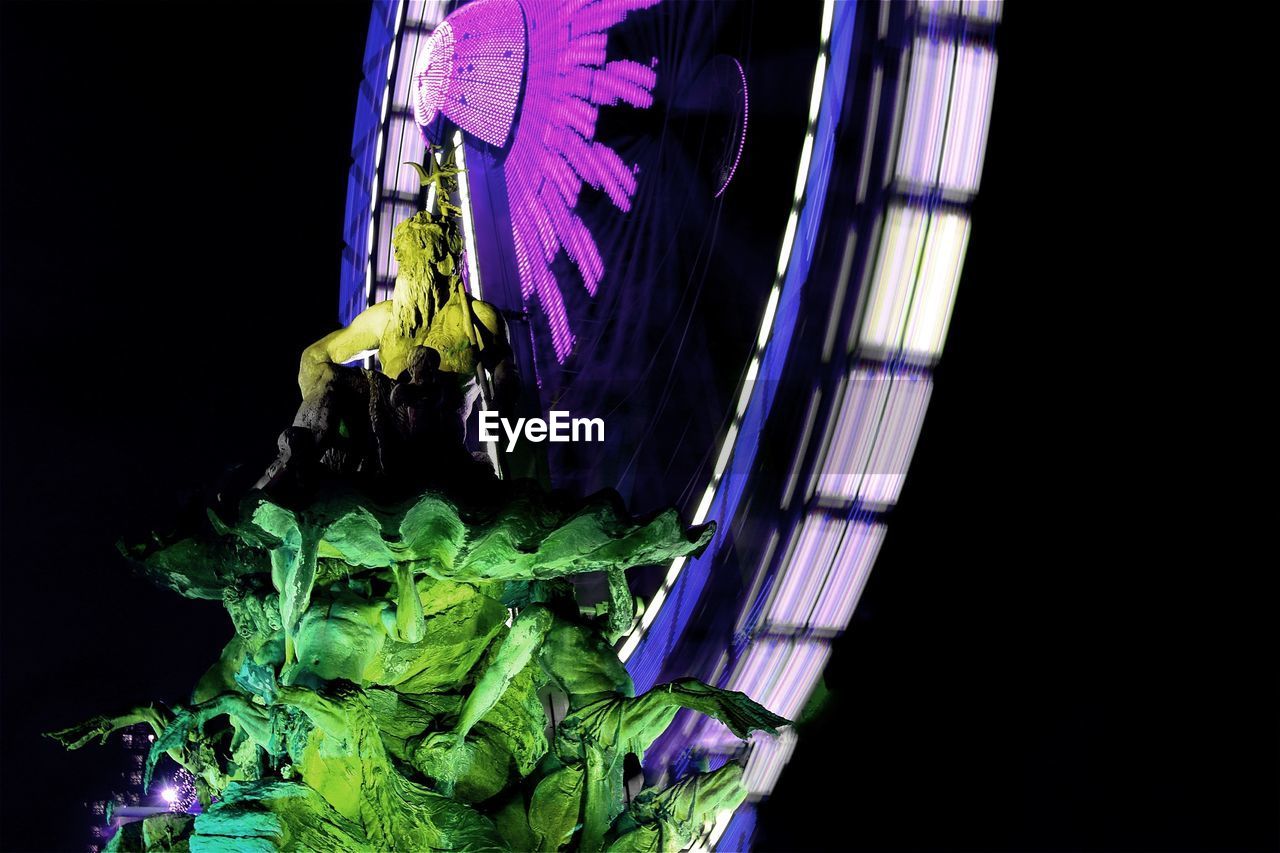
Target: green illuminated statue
column 402, row 618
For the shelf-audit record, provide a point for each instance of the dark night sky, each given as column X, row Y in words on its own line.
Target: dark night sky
column 1051, row 654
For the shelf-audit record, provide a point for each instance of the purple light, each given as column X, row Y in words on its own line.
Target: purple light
column 926, row 112
column 896, row 439
column 742, row 140
column 769, row 754
column 431, row 77
column 804, row 666
column 404, row 145
column 761, row 662
column 948, row 109
column 969, row 118
column 848, row 576
column 180, row 794
column 850, row 433
column 470, row 69
column 780, row 673
column 871, row 437
column 983, row 10
column 552, row 149
column 806, row 568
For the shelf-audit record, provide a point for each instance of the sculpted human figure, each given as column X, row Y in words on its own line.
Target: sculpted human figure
column 582, row 788
column 428, row 308
column 418, row 678
column 430, row 334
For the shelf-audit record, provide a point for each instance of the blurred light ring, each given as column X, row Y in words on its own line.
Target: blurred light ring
column 934, row 270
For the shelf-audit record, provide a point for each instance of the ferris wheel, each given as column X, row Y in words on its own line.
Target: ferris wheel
column 735, row 232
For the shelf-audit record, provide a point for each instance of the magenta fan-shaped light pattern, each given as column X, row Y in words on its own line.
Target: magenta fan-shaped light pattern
column 553, row 150
column 470, row 70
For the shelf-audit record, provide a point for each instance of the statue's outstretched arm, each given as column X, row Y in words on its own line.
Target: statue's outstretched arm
column 364, row 333
column 615, row 615
column 253, row 719
column 625, row 725
column 522, row 642
column 101, row 726
column 736, row 710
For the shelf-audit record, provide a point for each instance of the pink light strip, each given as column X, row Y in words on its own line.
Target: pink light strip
column 969, row 119
column 742, row 140
column 553, row 152
column 804, row 571
column 769, row 754
column 872, row 436
column 471, row 67
column 927, row 96
column 896, row 439
column 851, row 430
column 848, row 576
column 780, row 673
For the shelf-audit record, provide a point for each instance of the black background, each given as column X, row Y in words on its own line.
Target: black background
column 1057, row 649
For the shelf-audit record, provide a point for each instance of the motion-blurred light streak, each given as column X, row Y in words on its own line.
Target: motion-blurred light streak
column 935, row 291
column 872, row 435
column 769, row 754
column 780, row 672
column 968, row 119
column 914, row 285
column 924, row 125
column 901, row 244
column 804, row 569
column 848, row 576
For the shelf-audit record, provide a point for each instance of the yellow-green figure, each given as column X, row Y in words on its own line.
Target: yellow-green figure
column 438, row 352
column 429, row 307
